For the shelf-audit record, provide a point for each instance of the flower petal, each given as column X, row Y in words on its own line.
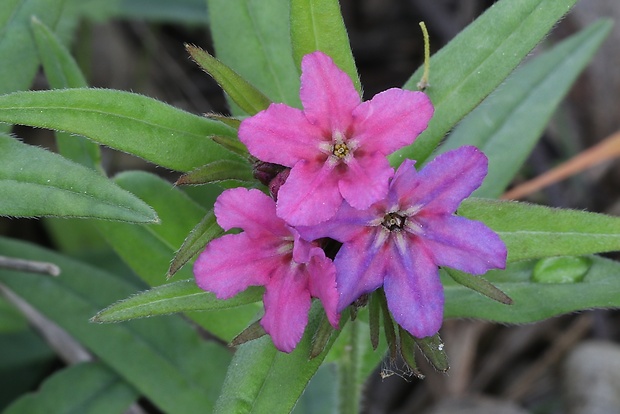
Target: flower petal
column 327, row 94
column 360, row 266
column 287, row 303
column 250, row 210
column 322, row 281
column 280, row 134
column 463, row 244
column 366, row 180
column 310, row 194
column 443, row 183
column 391, row 120
column 344, row 226
column 413, row 290
column 233, row 262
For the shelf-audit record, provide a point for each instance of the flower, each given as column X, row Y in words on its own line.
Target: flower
column 398, row 243
column 268, row 252
column 336, row 146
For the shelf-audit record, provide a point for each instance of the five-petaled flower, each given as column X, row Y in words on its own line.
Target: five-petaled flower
column 336, row 146
column 268, row 252
column 399, row 242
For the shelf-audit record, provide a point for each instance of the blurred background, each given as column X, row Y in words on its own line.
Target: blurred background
column 569, row 364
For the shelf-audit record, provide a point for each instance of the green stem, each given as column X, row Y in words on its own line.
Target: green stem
column 349, row 372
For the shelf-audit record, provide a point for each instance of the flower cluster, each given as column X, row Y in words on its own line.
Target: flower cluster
column 396, row 228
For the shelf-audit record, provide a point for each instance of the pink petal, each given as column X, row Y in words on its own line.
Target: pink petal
column 233, row 262
column 360, row 267
column 250, row 210
column 463, row 244
column 366, row 180
column 344, row 226
column 327, row 94
column 413, row 290
column 443, row 183
column 287, row 302
column 310, row 195
column 322, row 281
column 391, row 120
column 280, row 134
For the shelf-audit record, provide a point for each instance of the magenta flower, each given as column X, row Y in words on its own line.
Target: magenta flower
column 270, row 253
column 398, row 243
column 337, row 145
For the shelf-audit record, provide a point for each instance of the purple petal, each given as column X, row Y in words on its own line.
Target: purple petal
column 250, row 210
column 360, row 266
column 322, row 281
column 443, row 183
column 280, row 134
column 287, row 302
column 344, row 226
column 233, row 262
column 413, row 290
column 310, row 194
column 463, row 244
column 366, row 180
column 391, row 120
column 327, row 94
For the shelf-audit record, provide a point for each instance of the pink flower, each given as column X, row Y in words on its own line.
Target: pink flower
column 268, row 252
column 398, row 243
column 337, row 145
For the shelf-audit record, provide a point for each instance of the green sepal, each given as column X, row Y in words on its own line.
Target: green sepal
column 232, row 144
column 250, row 99
column 228, row 120
column 196, row 240
column 432, row 348
column 374, row 312
column 217, row 171
column 388, row 325
column 480, row 285
column 321, row 337
column 407, row 351
column 252, row 332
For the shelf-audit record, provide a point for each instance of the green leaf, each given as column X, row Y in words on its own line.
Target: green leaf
column 253, row 39
column 520, row 110
column 318, row 25
column 203, row 233
column 171, row 298
column 35, row 182
column 479, row 284
column 87, row 388
column 433, row 349
column 475, row 62
column 178, row 11
column 250, row 99
column 133, row 123
column 163, row 358
column 532, row 231
column 218, row 171
column 536, row 301
column 566, row 269
column 62, row 71
column 261, row 379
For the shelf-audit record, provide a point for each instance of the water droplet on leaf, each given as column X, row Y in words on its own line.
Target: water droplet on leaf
column 565, row 269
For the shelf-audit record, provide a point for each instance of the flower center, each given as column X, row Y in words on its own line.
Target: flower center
column 340, row 150
column 393, row 222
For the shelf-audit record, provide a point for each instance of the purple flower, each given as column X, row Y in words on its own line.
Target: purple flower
column 398, row 243
column 268, row 252
column 337, row 146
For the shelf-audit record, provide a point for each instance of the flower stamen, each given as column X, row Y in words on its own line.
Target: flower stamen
column 393, row 222
column 340, row 150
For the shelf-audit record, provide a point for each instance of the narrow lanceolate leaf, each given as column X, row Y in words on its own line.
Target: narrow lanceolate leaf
column 407, row 351
column 163, row 358
column 532, row 231
column 260, row 379
column 230, row 121
column 203, row 233
column 62, row 71
column 480, row 285
column 318, row 25
column 433, row 349
column 253, row 38
column 475, row 62
column 244, row 94
column 35, row 182
column 89, row 387
column 534, row 301
column 132, row 123
column 520, row 110
column 232, row 144
column 182, row 296
column 218, row 171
